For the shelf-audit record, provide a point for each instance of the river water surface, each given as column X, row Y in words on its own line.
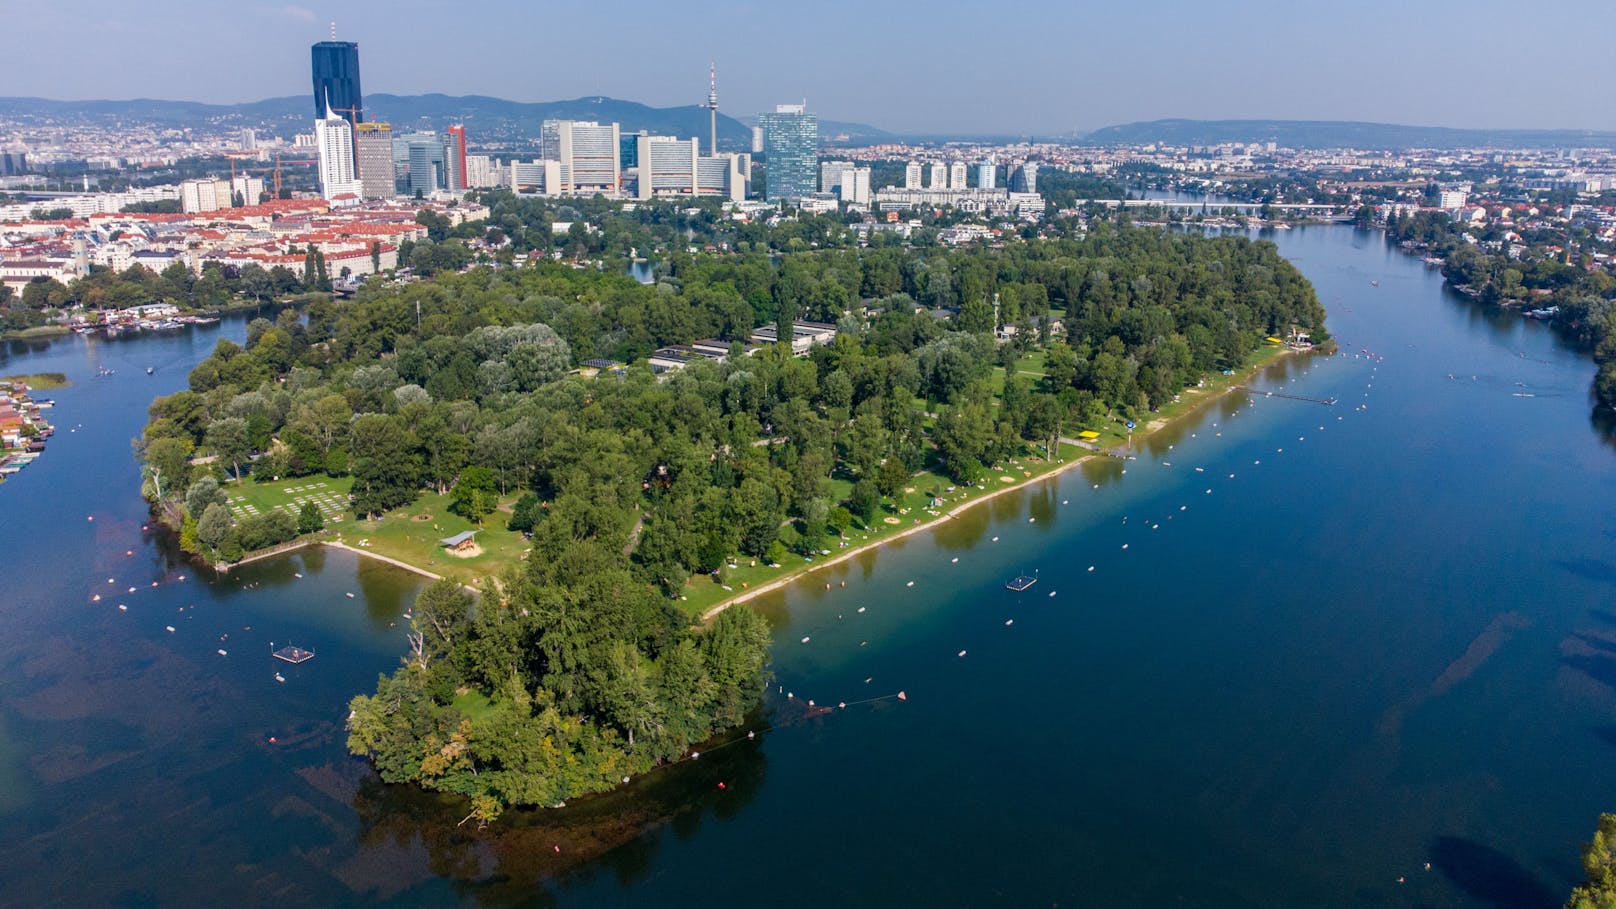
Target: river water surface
column 1294, row 653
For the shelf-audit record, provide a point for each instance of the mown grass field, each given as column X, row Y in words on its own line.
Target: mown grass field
column 411, row 534
column 250, row 497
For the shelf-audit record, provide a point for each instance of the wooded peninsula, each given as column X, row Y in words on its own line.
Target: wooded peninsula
column 520, row 394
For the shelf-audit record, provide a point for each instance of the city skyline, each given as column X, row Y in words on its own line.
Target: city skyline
column 1026, row 69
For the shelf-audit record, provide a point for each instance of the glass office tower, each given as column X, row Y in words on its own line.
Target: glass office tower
column 791, row 146
column 336, row 78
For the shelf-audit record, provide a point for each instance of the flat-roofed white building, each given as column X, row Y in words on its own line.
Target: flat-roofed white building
column 590, row 155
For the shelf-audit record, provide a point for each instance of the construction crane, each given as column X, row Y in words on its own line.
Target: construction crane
column 232, row 157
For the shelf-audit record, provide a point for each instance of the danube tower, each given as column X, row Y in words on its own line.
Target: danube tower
column 712, row 104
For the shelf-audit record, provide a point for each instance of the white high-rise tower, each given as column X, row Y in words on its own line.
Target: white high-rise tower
column 334, row 139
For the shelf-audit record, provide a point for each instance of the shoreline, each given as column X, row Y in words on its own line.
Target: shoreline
column 381, row 558
column 711, row 612
column 294, row 546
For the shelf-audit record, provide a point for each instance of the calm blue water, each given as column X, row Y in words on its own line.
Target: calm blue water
column 1385, row 640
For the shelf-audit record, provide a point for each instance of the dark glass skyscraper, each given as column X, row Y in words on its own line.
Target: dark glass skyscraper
column 336, row 78
column 791, row 152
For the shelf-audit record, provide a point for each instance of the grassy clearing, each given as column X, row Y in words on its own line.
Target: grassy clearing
column 249, row 497
column 40, row 381
column 1030, row 367
column 411, row 534
column 473, row 705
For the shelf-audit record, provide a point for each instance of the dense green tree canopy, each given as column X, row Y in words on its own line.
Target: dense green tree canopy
column 583, row 671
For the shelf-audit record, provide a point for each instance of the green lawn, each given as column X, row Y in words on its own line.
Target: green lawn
column 40, row 381
column 249, row 497
column 411, row 534
column 1030, row 367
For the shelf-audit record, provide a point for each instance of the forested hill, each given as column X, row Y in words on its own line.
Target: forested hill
column 1341, row 134
column 582, row 669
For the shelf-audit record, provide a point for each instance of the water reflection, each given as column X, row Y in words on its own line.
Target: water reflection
column 407, row 836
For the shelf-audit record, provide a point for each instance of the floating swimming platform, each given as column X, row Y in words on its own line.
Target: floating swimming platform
column 1021, row 582
column 293, row 655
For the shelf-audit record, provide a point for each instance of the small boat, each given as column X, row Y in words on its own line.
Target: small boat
column 349, row 595
column 279, row 677
column 223, row 652
column 148, row 370
column 1374, row 283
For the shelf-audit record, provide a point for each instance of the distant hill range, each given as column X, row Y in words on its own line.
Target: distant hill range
column 489, row 121
column 840, row 132
column 1341, row 134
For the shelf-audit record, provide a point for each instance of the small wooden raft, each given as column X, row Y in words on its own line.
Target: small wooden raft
column 293, row 654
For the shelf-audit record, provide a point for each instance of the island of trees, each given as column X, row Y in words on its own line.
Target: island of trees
column 577, row 667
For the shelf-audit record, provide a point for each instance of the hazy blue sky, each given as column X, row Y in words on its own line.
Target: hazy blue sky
column 941, row 65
